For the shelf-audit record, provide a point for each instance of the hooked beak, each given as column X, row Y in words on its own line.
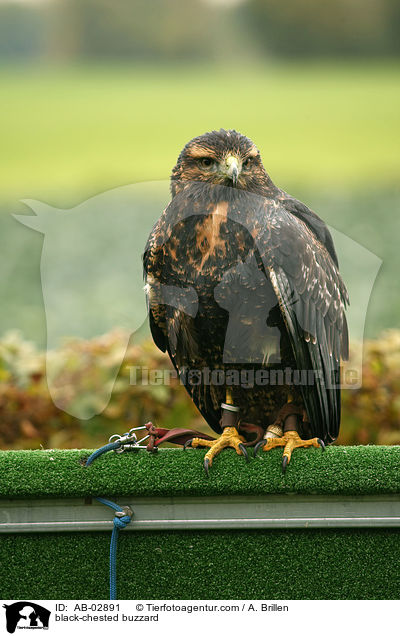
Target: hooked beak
column 232, row 168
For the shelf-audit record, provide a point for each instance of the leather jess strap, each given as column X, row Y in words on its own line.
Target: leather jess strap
column 179, row 436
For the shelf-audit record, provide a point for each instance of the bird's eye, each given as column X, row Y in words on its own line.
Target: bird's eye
column 206, row 162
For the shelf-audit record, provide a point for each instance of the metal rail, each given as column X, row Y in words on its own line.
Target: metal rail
column 198, row 513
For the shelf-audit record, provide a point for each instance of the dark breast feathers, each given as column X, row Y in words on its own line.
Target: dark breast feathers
column 244, row 291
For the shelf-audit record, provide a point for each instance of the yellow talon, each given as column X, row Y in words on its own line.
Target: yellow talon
column 230, row 438
column 290, row 440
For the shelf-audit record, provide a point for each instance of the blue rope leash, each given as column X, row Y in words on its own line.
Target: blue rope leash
column 122, row 517
column 103, row 449
column 120, row 521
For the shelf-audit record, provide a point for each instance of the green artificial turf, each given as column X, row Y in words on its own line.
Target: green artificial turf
column 267, row 564
column 60, row 473
column 277, row 564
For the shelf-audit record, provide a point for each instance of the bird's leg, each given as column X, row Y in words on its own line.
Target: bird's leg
column 283, row 432
column 230, row 437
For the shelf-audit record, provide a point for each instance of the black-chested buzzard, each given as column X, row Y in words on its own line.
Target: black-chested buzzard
column 245, row 295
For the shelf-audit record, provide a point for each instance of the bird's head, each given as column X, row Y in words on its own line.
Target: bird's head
column 223, row 157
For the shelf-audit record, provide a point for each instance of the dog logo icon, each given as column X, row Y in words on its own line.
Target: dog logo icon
column 26, row 615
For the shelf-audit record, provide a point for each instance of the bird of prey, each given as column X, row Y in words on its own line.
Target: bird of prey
column 245, row 295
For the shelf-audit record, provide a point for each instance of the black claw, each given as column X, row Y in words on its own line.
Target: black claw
column 321, row 443
column 187, row 444
column 285, row 462
column 257, row 447
column 206, row 465
column 244, row 451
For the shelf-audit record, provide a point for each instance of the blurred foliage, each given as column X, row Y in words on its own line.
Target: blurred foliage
column 371, row 414
column 197, row 29
column 28, row 417
column 341, row 28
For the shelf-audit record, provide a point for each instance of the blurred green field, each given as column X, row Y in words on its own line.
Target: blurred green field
column 72, row 132
column 328, row 133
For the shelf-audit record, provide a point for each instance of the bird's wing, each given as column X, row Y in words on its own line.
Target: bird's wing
column 171, row 319
column 312, row 299
column 153, row 268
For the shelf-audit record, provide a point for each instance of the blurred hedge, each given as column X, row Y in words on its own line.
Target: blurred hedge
column 29, row 418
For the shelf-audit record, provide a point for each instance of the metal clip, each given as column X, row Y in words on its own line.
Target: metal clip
column 128, row 440
column 125, row 512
